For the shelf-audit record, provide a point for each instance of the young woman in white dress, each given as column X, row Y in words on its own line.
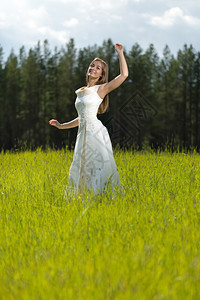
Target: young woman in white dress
column 93, row 165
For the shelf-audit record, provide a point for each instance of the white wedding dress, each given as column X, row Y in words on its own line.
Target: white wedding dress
column 93, row 165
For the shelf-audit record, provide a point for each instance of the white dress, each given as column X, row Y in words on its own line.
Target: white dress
column 93, row 165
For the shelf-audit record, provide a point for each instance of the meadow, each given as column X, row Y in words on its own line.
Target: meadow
column 142, row 244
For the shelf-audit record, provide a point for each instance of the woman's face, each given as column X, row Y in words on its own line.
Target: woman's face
column 95, row 69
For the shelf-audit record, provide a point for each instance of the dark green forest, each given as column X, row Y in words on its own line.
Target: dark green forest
column 158, row 106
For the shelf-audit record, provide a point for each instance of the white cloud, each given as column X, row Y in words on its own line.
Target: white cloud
column 38, row 13
column 71, row 22
column 79, row 2
column 171, row 17
column 3, row 22
column 116, row 17
column 49, row 33
column 31, row 24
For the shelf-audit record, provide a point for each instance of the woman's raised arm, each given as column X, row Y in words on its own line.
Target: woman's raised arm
column 106, row 88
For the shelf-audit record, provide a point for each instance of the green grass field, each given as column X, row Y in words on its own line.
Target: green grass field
column 144, row 244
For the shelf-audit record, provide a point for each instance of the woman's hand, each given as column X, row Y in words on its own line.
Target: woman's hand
column 119, row 48
column 54, row 123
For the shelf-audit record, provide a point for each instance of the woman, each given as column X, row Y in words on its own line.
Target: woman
column 93, row 165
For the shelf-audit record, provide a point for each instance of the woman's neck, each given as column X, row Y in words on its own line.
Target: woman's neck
column 91, row 82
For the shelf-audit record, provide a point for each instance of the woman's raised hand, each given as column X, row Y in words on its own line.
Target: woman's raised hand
column 119, row 48
column 54, row 123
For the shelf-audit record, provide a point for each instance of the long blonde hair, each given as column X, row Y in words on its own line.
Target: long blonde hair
column 103, row 107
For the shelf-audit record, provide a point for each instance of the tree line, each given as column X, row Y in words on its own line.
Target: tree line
column 158, row 106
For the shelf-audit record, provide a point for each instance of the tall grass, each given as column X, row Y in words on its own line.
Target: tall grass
column 143, row 244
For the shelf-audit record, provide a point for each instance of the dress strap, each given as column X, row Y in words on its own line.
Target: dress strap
column 96, row 87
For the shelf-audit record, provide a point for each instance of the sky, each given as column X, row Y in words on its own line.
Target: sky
column 89, row 22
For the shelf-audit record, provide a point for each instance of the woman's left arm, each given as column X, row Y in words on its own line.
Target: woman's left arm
column 106, row 88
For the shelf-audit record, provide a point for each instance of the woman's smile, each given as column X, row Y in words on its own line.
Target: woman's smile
column 95, row 69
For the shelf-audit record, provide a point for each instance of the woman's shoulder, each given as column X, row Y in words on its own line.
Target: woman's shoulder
column 80, row 89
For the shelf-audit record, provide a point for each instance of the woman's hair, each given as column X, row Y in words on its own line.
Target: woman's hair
column 103, row 107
